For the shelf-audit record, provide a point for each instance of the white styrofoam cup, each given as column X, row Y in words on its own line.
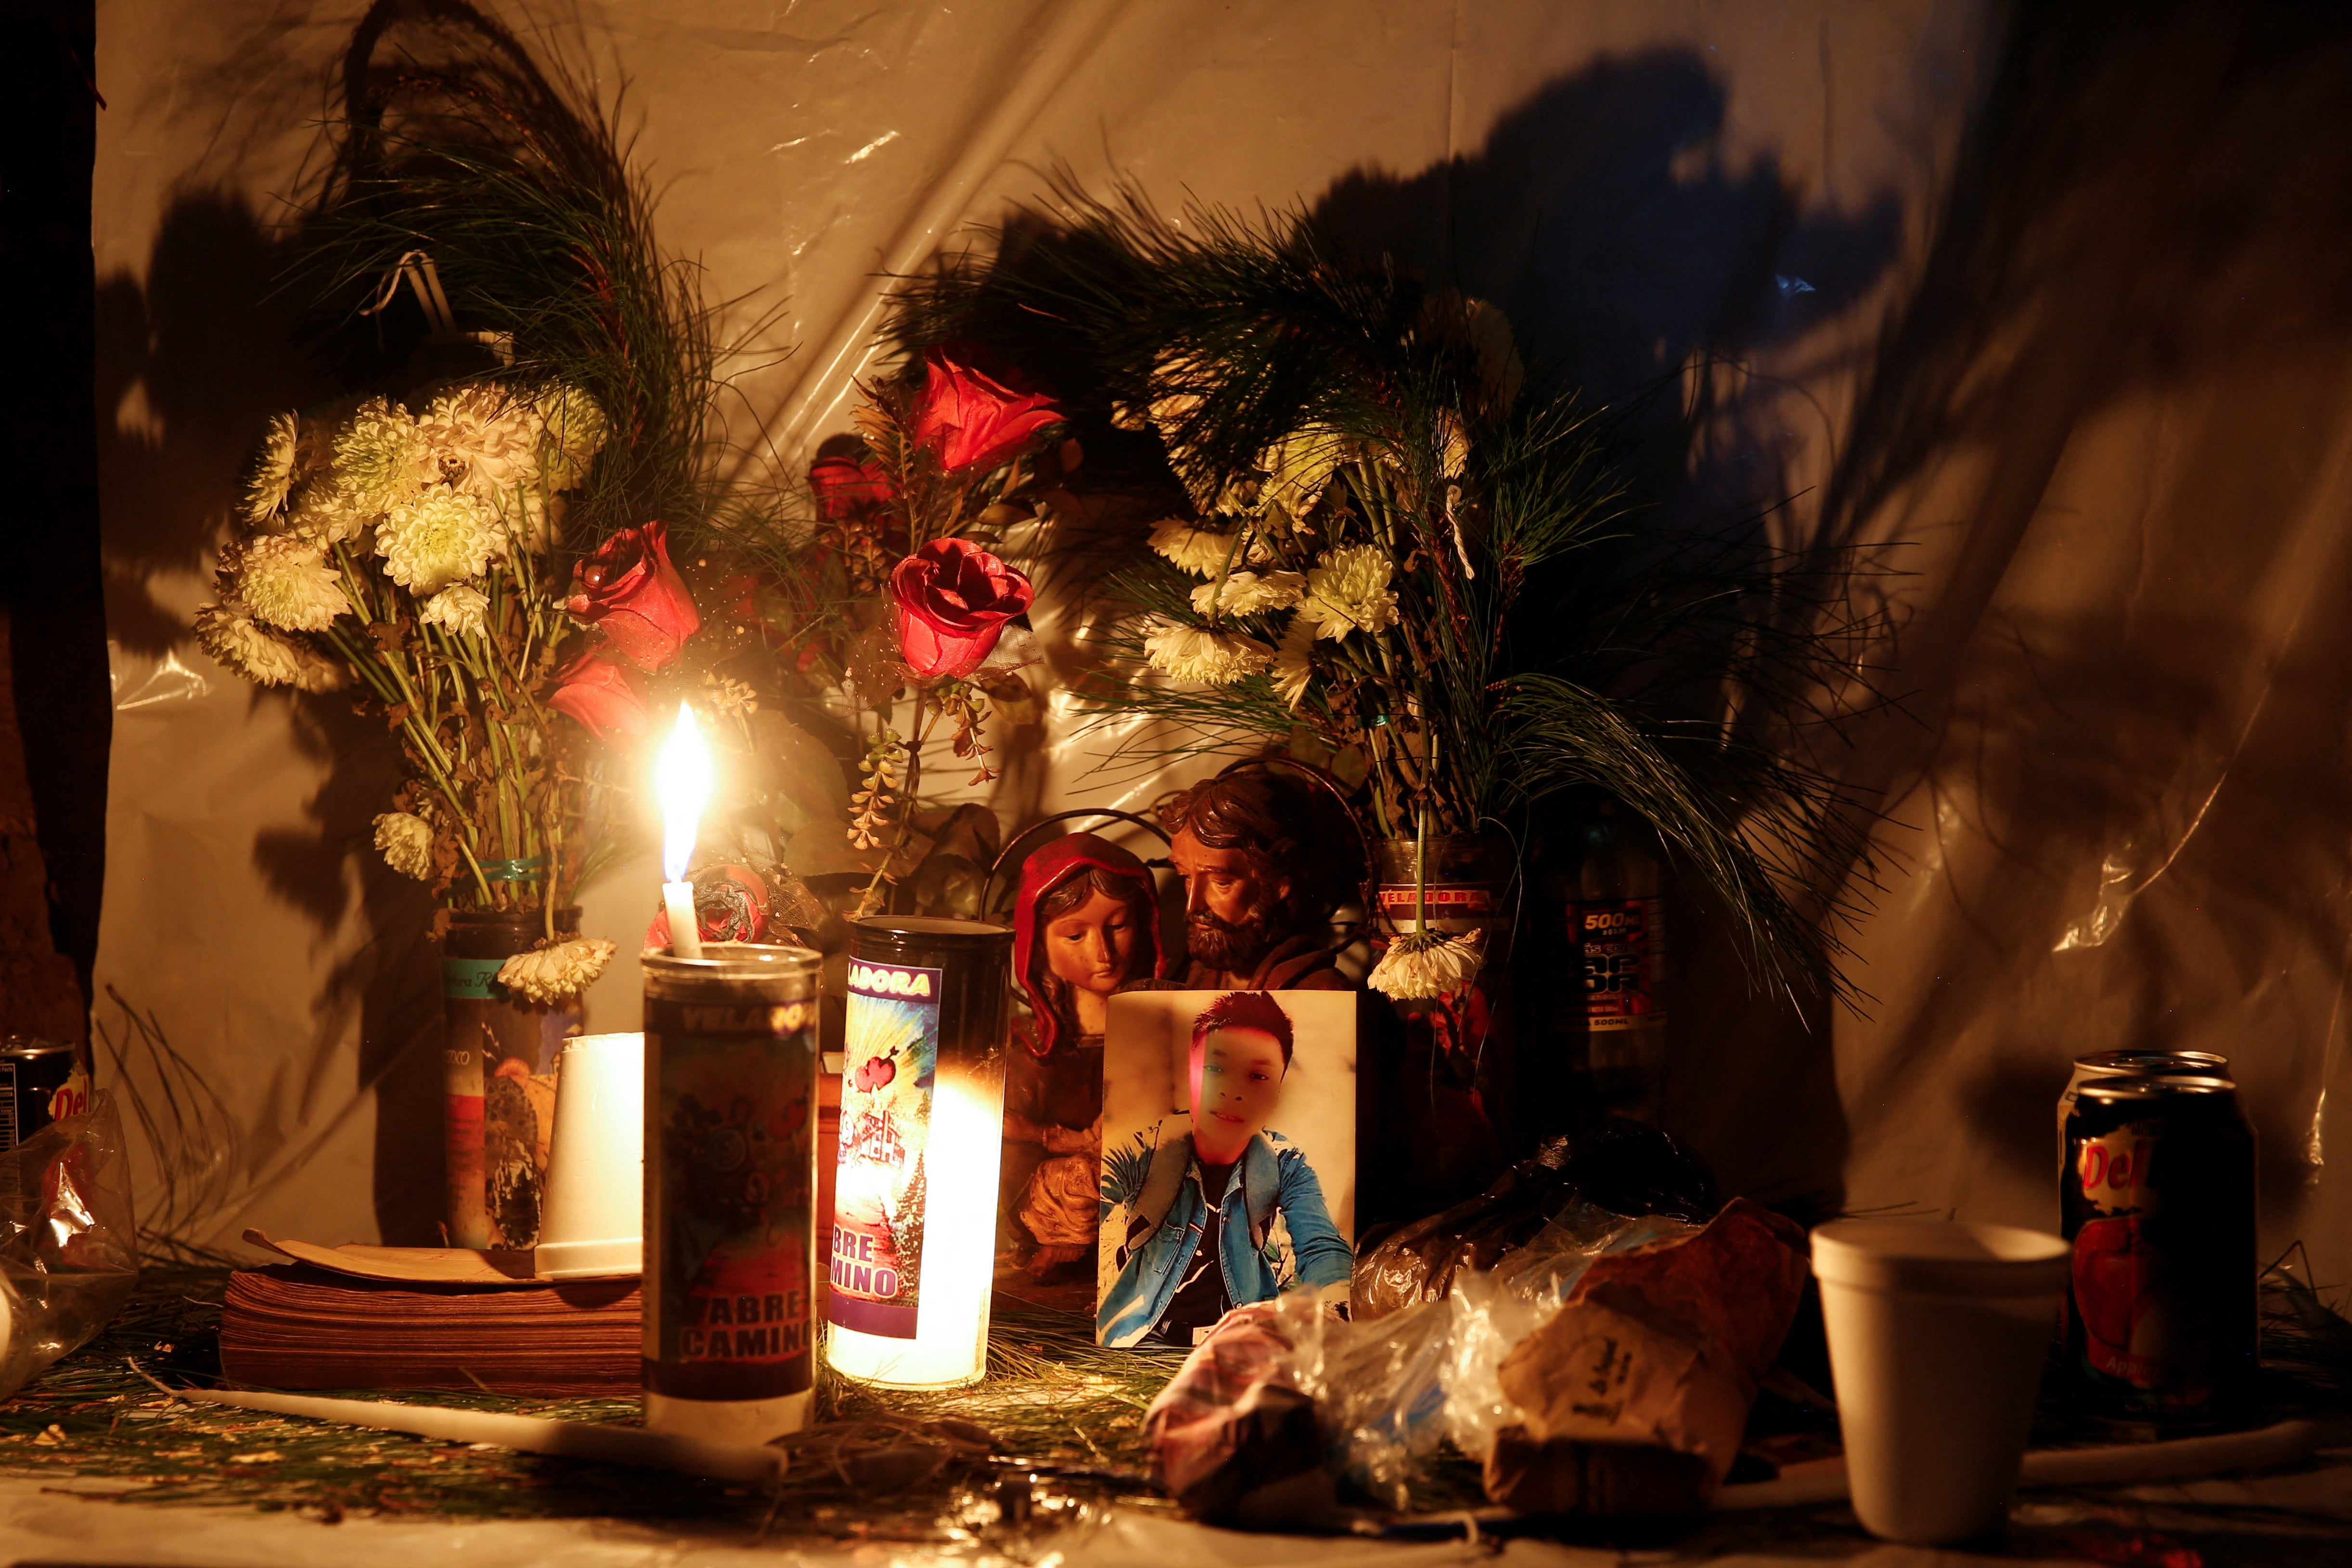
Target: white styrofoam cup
column 1938, row 1333
column 594, row 1221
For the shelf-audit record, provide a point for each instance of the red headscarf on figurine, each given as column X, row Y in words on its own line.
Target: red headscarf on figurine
column 1073, row 855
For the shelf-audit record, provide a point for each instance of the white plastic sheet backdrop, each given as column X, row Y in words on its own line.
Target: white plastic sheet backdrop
column 2116, row 801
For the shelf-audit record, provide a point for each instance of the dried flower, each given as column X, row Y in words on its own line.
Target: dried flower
column 1200, row 551
column 725, row 694
column 1500, row 372
column 459, row 607
column 287, row 583
column 380, row 457
column 408, row 844
column 1292, row 662
column 1246, row 593
column 438, row 539
column 1452, row 444
column 1207, row 657
column 885, row 771
column 269, row 477
column 553, row 973
column 1423, row 965
column 229, row 633
column 1348, row 591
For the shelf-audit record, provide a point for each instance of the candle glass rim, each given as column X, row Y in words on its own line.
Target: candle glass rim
column 735, row 961
column 949, row 928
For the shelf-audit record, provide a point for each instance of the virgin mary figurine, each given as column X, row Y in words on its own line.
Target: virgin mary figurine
column 1085, row 922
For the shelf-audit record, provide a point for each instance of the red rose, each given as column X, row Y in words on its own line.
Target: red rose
column 598, row 693
column 972, row 422
column 953, row 600
column 846, row 487
column 629, row 591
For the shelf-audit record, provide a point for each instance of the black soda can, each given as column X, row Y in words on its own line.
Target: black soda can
column 2134, row 1064
column 2158, row 1200
column 40, row 1080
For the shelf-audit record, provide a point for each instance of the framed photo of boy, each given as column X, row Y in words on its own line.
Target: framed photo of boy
column 1229, row 1157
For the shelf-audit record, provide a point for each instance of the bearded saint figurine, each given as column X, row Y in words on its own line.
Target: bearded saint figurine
column 1085, row 922
column 1258, row 880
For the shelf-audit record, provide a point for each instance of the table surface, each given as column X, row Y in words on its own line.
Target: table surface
column 2298, row 1519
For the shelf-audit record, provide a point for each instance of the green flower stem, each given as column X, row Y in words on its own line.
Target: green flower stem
column 422, row 745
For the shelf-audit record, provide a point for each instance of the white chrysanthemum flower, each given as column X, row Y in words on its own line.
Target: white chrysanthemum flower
column 483, row 439
column 1298, row 467
column 1193, row 550
column 1348, row 591
column 381, row 457
column 438, row 539
column 1203, row 552
column 326, row 516
column 264, row 656
column 1293, row 666
column 1207, row 657
column 460, row 607
column 553, row 973
column 575, row 431
column 269, row 477
column 1424, row 965
column 408, row 844
column 1246, row 593
column 285, row 582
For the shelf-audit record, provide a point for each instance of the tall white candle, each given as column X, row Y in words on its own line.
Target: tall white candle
column 739, row 1462
column 682, row 780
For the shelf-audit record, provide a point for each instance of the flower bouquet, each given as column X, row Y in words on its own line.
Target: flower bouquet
column 948, row 460
column 1396, row 558
column 481, row 550
column 411, row 556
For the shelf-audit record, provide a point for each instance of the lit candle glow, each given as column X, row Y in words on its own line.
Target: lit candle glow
column 682, row 780
column 950, row 1343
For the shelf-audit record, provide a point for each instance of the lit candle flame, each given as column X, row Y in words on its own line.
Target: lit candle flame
column 682, row 779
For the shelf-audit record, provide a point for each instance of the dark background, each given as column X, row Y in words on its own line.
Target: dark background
column 55, row 709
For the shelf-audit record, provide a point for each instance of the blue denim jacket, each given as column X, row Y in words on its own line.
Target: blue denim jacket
column 1287, row 1239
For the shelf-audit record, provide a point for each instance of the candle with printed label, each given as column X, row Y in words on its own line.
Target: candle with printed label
column 730, row 1157
column 730, row 1191
column 922, row 1113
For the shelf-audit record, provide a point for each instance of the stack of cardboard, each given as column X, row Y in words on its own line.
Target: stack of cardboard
column 295, row 1325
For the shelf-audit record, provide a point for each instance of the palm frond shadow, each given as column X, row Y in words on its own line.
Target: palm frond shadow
column 513, row 175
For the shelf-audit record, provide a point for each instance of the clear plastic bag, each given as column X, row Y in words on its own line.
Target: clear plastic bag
column 69, row 1253
column 1379, row 1389
column 1389, row 1391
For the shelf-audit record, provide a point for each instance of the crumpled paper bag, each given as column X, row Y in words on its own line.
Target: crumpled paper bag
column 1659, row 1349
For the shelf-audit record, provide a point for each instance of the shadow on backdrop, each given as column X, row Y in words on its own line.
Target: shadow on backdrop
column 2123, row 387
column 1626, row 244
column 191, row 359
column 195, row 355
